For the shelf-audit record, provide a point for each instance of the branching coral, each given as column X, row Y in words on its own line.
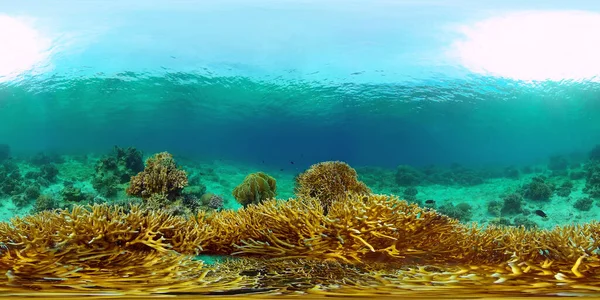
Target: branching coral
column 256, row 188
column 355, row 228
column 328, row 182
column 104, row 246
column 56, row 244
column 161, row 176
column 108, row 247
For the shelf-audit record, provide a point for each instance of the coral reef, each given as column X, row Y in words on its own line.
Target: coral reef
column 212, row 201
column 328, row 182
column 11, row 181
column 410, row 194
column 512, row 204
column 44, row 203
column 116, row 168
column 408, row 176
column 455, row 175
column 537, row 189
column 116, row 248
column 43, row 158
column 331, row 237
column 494, row 208
column 256, row 188
column 524, row 222
column 71, row 193
column 592, row 178
column 160, row 176
column 565, row 189
column 462, row 211
column 583, row 204
column 49, row 172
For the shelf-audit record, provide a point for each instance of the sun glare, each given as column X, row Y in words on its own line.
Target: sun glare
column 22, row 48
column 533, row 45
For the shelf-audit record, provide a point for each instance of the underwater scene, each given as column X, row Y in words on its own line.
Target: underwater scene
column 299, row 149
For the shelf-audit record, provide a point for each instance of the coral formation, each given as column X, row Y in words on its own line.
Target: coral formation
column 408, row 176
column 564, row 190
column 512, row 204
column 592, row 178
column 537, row 189
column 584, row 204
column 212, row 201
column 335, row 232
column 49, row 172
column 32, row 192
column 524, row 222
column 115, row 169
column 160, row 176
column 73, row 194
column 11, row 181
column 112, row 247
column 256, row 188
column 462, row 211
column 494, row 208
column 328, row 182
column 45, row 202
column 410, row 194
column 43, row 158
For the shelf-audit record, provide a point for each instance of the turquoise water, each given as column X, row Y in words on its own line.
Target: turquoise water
column 216, row 80
column 475, row 121
column 446, row 105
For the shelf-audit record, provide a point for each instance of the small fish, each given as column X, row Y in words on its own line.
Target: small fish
column 291, row 162
column 430, row 201
column 541, row 213
column 281, row 170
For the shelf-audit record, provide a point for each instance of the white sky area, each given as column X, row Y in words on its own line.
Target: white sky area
column 22, row 47
column 386, row 41
column 533, row 45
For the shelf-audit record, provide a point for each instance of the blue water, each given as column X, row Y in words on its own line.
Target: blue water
column 479, row 121
column 501, row 97
column 302, row 81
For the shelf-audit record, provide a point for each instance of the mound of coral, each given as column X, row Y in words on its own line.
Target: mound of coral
column 335, row 237
column 329, row 181
column 255, row 188
column 160, row 176
column 148, row 252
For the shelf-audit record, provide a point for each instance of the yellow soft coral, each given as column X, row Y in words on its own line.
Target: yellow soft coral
column 255, row 188
column 329, row 181
column 161, row 176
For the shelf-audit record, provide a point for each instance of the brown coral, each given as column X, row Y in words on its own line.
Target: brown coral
column 161, row 176
column 256, row 188
column 107, row 248
column 328, row 182
column 356, row 228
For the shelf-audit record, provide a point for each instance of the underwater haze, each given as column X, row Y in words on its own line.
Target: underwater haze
column 271, row 81
column 371, row 147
